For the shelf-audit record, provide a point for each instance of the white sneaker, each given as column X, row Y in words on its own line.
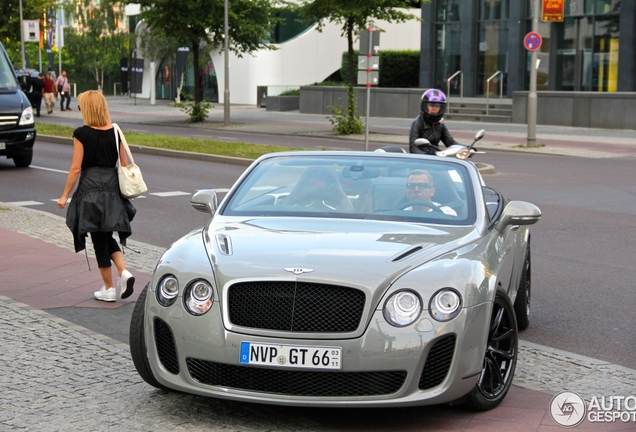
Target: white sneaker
column 109, row 295
column 126, row 284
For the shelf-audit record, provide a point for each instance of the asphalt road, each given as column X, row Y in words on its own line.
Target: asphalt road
column 583, row 269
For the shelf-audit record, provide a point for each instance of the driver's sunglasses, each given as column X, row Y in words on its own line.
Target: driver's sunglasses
column 434, row 105
column 420, row 186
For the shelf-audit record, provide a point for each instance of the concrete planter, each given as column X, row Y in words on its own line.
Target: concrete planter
column 282, row 103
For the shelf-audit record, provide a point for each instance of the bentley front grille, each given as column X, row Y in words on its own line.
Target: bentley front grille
column 166, row 348
column 438, row 362
column 295, row 382
column 295, row 306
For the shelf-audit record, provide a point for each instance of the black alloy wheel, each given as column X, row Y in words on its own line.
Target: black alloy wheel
column 500, row 358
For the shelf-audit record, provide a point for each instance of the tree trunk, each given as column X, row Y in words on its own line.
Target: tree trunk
column 197, row 76
column 351, row 111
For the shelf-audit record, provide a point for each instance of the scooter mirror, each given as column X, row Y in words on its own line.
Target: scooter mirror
column 480, row 134
column 421, row 141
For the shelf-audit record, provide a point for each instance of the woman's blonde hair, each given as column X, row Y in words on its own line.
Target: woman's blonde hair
column 94, row 109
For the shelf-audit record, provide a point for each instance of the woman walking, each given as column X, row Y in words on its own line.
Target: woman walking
column 97, row 207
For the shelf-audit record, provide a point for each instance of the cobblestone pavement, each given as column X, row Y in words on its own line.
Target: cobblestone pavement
column 53, row 371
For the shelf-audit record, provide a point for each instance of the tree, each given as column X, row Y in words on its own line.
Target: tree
column 97, row 44
column 354, row 16
column 10, row 25
column 195, row 23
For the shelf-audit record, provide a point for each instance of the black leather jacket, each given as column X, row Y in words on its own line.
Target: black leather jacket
column 435, row 133
column 98, row 206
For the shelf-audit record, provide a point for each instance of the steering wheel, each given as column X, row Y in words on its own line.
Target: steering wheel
column 414, row 203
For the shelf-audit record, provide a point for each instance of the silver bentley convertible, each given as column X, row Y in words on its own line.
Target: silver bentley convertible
column 343, row 279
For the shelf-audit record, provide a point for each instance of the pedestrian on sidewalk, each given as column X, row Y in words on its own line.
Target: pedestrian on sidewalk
column 49, row 93
column 97, row 207
column 429, row 123
column 64, row 89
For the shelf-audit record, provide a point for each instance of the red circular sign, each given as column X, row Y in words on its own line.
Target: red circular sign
column 532, row 41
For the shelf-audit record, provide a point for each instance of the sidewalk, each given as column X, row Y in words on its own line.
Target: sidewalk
column 60, row 376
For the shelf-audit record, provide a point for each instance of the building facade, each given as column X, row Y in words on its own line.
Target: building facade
column 476, row 47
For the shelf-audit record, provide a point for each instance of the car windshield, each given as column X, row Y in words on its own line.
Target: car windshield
column 7, row 78
column 356, row 187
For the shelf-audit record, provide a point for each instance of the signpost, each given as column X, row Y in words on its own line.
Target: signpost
column 532, row 42
column 552, row 10
column 368, row 69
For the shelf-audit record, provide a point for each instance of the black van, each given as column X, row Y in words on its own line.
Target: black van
column 17, row 122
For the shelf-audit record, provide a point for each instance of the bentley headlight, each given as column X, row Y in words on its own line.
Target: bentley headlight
column 198, row 297
column 167, row 290
column 445, row 304
column 402, row 308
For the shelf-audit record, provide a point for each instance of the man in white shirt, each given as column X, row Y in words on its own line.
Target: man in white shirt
column 420, row 187
column 64, row 89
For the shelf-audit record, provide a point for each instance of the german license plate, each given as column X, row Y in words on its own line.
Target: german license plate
column 2, row 146
column 291, row 356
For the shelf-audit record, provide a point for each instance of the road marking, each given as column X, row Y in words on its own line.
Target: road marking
column 49, row 169
column 170, row 194
column 25, row 203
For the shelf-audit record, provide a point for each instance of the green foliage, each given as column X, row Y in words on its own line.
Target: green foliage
column 349, row 122
column 197, row 110
column 193, row 23
column 291, row 92
column 354, row 17
column 398, row 69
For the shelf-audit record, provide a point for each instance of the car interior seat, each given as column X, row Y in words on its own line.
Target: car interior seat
column 318, row 187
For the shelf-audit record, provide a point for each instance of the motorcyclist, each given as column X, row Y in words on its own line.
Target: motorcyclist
column 429, row 123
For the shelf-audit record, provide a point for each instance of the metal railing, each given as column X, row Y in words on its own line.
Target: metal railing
column 488, row 88
column 461, row 87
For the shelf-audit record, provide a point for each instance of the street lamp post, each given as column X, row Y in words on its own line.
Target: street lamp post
column 22, row 38
column 226, row 95
column 532, row 94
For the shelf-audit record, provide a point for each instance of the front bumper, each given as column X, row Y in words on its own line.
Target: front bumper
column 16, row 142
column 426, row 363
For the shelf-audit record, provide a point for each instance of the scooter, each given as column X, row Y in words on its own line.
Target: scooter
column 460, row 151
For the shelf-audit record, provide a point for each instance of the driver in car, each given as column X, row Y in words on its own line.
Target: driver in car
column 419, row 187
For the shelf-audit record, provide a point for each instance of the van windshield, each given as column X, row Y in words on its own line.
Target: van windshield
column 7, row 78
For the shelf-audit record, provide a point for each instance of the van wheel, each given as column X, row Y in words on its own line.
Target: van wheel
column 23, row 161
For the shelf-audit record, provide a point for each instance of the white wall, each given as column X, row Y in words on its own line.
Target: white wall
column 309, row 58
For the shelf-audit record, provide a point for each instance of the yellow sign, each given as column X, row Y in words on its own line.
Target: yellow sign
column 552, row 10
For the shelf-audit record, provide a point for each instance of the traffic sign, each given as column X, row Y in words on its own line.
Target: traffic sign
column 532, row 41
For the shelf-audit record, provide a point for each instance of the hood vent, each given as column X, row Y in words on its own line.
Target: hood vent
column 407, row 253
column 224, row 244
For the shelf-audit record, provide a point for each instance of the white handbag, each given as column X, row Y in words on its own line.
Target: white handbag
column 131, row 182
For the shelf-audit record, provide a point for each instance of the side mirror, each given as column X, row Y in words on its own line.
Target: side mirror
column 421, row 141
column 205, row 201
column 519, row 213
column 480, row 134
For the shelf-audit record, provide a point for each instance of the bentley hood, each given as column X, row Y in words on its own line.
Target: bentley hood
column 355, row 252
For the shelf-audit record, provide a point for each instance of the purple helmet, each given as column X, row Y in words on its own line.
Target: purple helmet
column 433, row 96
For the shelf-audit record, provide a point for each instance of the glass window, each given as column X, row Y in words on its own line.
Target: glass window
column 448, row 57
column 494, row 9
column 605, row 61
column 607, row 6
column 493, row 57
column 448, row 10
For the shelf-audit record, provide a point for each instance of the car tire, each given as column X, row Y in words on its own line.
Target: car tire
column 522, row 302
column 500, row 359
column 24, row 160
column 137, row 340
